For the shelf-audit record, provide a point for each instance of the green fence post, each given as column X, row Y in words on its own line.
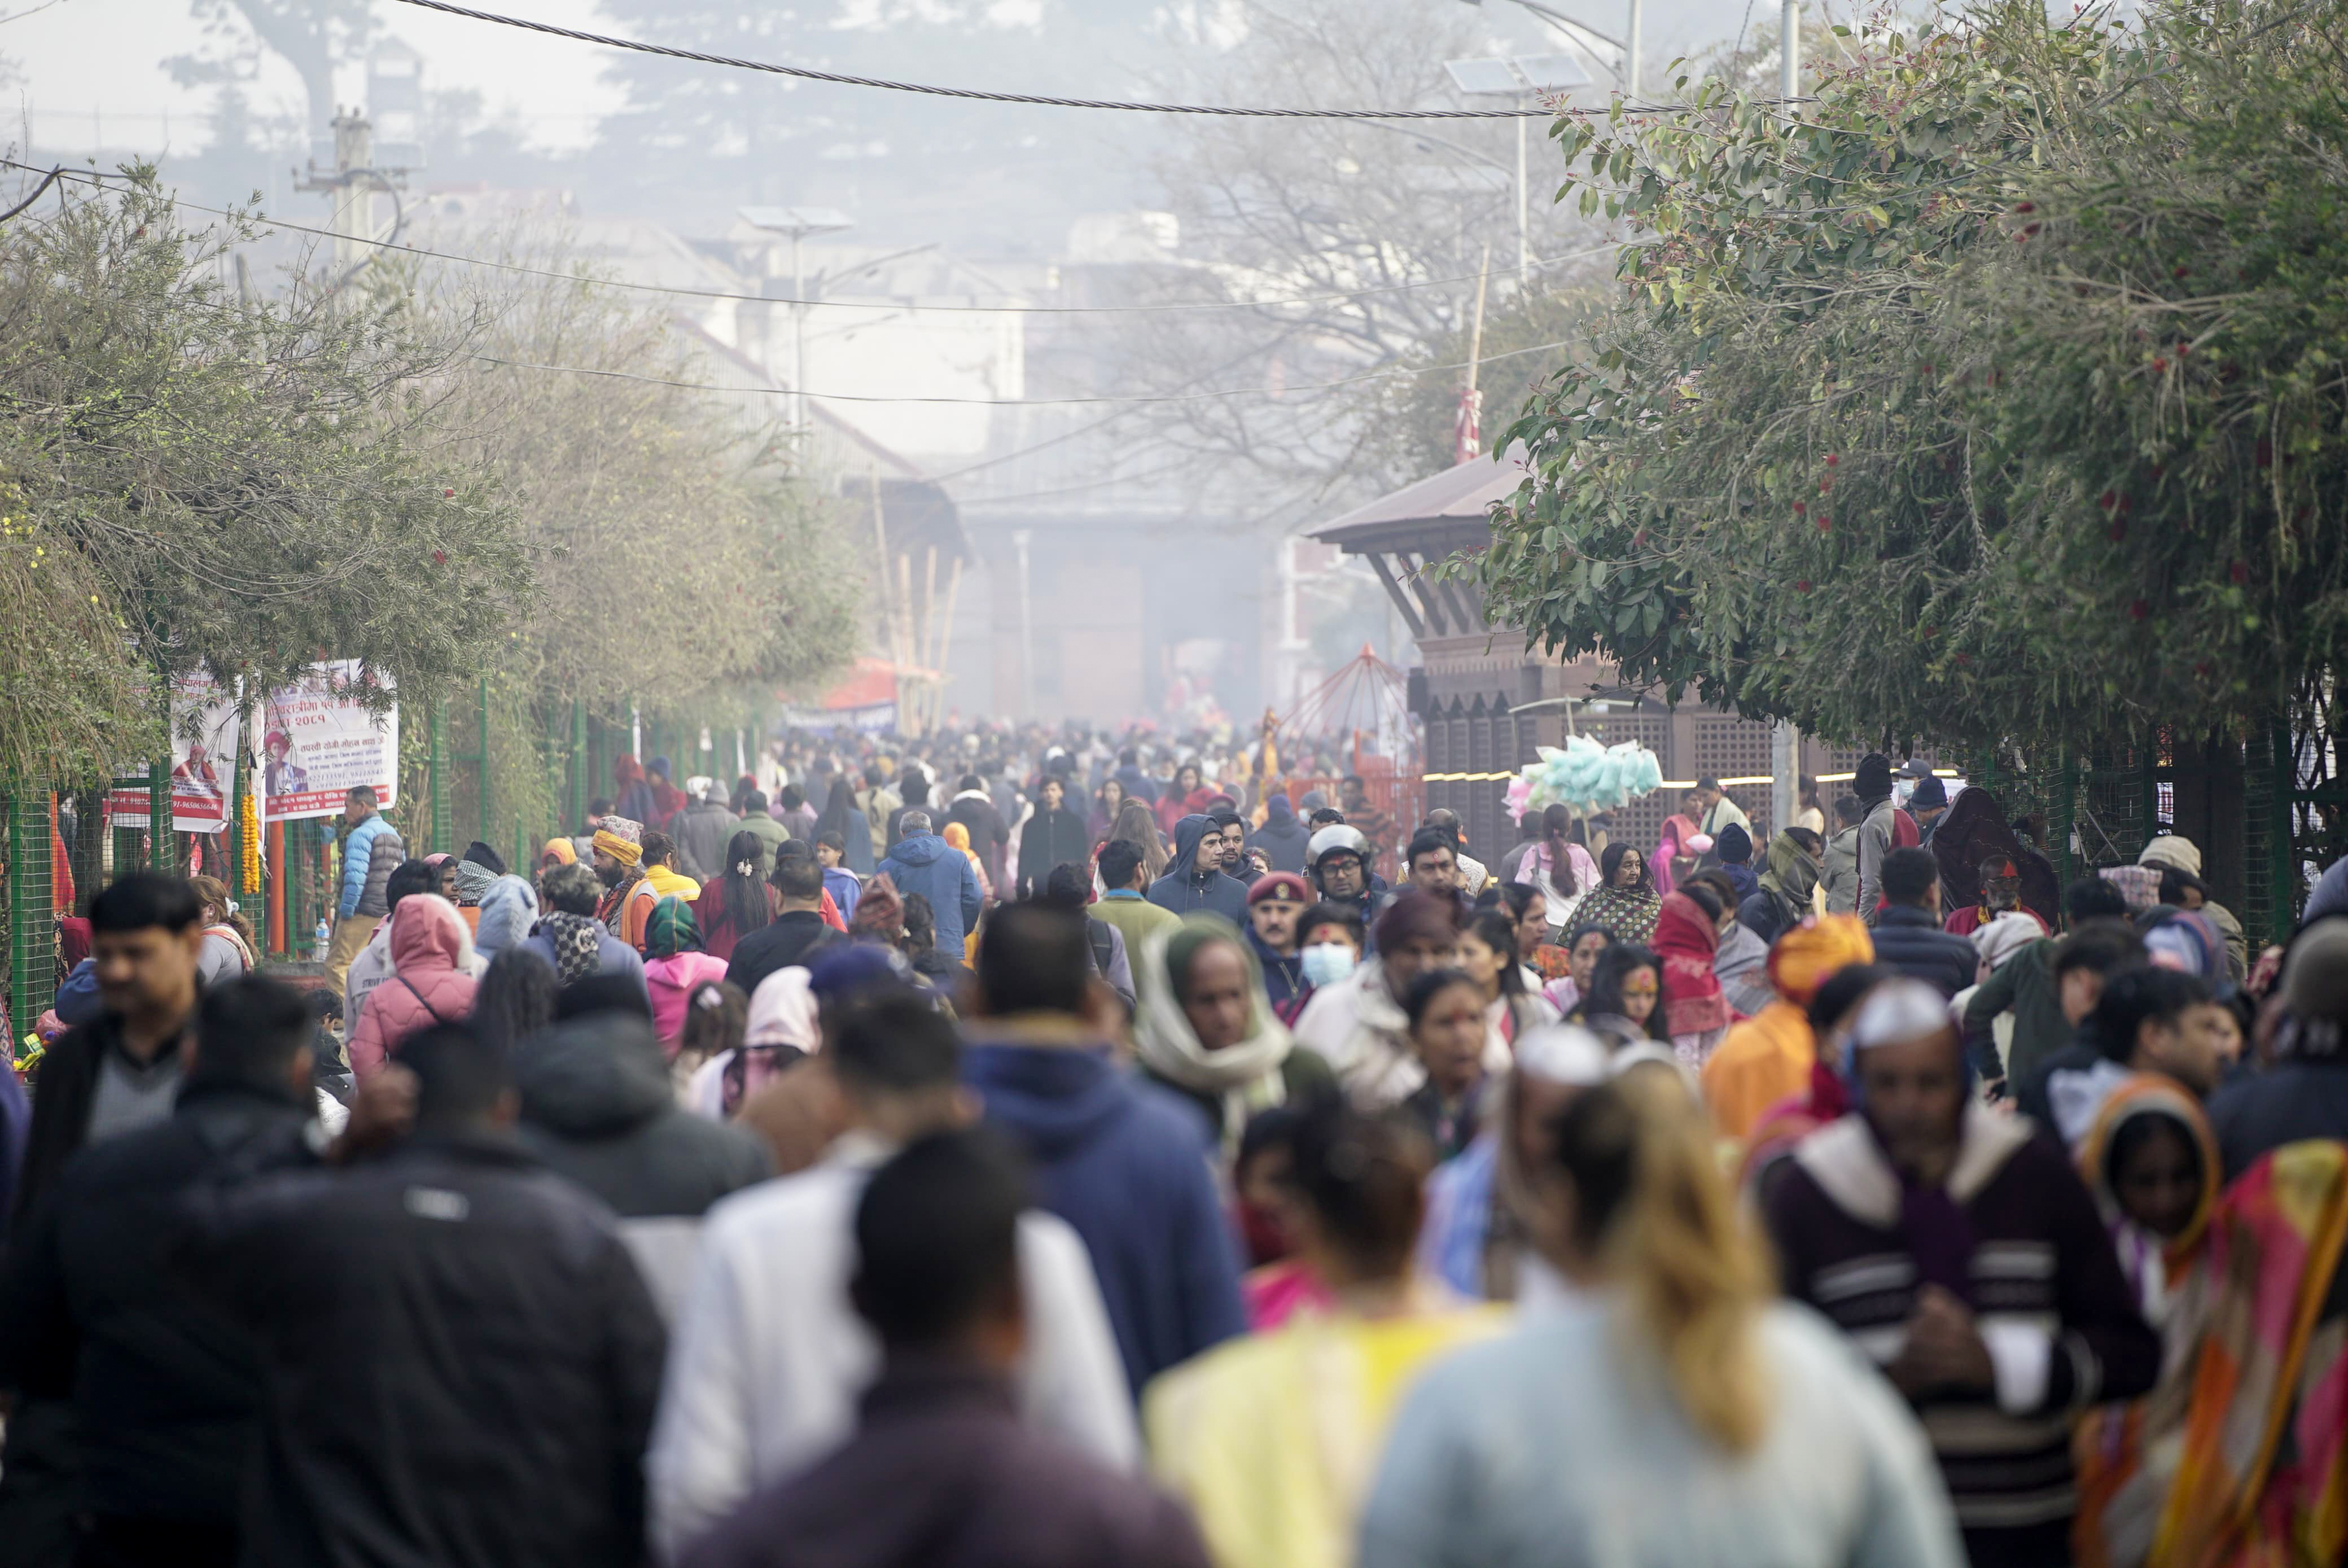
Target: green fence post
column 163, row 848
column 439, row 765
column 483, row 776
column 32, row 927
column 577, row 802
column 2282, row 789
column 2065, row 825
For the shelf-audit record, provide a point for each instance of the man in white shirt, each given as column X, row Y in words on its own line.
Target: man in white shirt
column 1719, row 812
column 768, row 1357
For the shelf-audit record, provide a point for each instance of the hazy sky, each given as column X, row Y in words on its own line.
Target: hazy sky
column 85, row 64
column 76, row 57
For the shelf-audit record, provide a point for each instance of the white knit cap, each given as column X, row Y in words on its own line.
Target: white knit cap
column 1564, row 1054
column 2172, row 850
column 1897, row 1012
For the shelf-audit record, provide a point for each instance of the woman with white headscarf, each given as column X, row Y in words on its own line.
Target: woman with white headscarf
column 782, row 1029
column 1206, row 1030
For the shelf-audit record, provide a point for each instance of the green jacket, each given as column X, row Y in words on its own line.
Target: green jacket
column 772, row 836
column 1135, row 918
column 2023, row 985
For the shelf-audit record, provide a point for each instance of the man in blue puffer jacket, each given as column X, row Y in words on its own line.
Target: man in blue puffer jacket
column 369, row 855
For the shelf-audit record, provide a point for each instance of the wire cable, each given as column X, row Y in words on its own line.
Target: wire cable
column 1013, row 402
column 1537, row 264
column 803, row 74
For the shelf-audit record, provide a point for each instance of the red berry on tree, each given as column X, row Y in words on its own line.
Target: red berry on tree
column 2140, row 610
column 2240, row 571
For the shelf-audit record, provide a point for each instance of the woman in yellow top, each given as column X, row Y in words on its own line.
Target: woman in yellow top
column 1274, row 1439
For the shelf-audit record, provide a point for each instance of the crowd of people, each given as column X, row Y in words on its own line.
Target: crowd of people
column 1023, row 1148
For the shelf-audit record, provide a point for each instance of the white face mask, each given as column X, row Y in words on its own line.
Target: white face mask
column 1326, row 962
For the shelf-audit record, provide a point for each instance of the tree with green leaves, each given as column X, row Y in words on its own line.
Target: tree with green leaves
column 1988, row 394
column 196, row 482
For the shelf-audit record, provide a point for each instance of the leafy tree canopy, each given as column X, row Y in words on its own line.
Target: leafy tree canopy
column 1991, row 392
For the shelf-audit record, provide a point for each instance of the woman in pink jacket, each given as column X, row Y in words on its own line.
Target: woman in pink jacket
column 429, row 983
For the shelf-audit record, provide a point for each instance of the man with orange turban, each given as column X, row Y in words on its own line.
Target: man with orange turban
column 1768, row 1056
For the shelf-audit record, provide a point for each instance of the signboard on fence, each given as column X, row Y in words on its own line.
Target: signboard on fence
column 319, row 742
column 204, row 762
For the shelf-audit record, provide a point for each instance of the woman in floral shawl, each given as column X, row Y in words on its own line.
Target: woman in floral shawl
column 2239, row 1455
column 1624, row 904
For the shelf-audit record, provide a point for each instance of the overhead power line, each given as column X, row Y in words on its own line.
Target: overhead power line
column 399, row 248
column 1013, row 402
column 838, row 79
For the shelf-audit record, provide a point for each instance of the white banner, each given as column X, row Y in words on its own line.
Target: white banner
column 318, row 742
column 204, row 762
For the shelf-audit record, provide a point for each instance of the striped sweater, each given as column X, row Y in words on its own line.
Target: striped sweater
column 2047, row 1295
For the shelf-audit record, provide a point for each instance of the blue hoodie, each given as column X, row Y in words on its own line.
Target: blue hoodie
column 928, row 865
column 1183, row 889
column 1125, row 1165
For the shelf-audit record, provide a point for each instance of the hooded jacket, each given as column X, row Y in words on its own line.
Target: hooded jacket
column 509, row 914
column 430, row 949
column 1281, row 838
column 597, row 1107
column 1184, row 887
column 928, row 865
column 1127, row 1166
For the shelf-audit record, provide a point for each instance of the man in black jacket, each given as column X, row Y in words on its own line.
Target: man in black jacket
column 460, row 1357
column 797, row 933
column 973, row 806
column 120, row 1071
column 597, row 1107
column 166, row 1391
column 1907, row 935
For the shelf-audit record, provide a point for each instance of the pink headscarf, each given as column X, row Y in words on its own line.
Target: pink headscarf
column 1677, row 832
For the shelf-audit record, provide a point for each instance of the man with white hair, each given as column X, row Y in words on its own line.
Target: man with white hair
column 1960, row 1251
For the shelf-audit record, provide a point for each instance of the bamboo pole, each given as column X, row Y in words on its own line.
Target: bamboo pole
column 945, row 629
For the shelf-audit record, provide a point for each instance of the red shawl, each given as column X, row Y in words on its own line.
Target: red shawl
column 1686, row 942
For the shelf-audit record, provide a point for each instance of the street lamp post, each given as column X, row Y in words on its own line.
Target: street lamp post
column 1789, row 48
column 799, row 223
column 1520, row 78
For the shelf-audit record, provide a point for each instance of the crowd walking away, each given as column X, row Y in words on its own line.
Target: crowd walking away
column 1049, row 1146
